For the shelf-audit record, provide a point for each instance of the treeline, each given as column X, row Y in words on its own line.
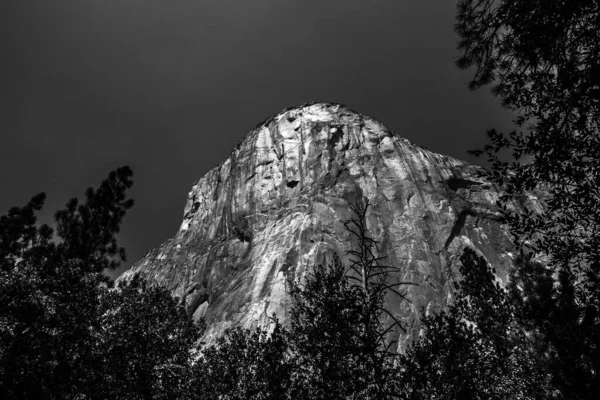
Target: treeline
column 66, row 333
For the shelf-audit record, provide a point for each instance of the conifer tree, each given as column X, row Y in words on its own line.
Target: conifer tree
column 543, row 60
column 474, row 350
column 245, row 364
column 64, row 333
column 145, row 343
column 337, row 333
column 333, row 337
column 336, row 346
column 561, row 332
column 49, row 288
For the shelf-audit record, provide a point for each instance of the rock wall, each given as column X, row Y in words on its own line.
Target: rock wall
column 274, row 209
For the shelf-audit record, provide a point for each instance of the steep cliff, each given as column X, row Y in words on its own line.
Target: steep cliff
column 275, row 208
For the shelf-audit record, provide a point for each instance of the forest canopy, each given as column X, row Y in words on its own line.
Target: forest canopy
column 68, row 332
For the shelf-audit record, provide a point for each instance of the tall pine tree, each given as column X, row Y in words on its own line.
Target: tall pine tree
column 476, row 349
column 543, row 60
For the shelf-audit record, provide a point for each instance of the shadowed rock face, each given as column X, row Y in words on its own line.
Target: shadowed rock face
column 275, row 208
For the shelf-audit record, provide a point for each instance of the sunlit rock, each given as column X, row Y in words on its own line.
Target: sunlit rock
column 274, row 209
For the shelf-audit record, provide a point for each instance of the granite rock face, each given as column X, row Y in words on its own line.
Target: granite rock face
column 274, row 209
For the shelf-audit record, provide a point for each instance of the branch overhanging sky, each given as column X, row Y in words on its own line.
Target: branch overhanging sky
column 170, row 86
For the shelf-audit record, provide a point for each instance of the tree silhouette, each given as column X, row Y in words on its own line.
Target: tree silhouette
column 474, row 350
column 562, row 333
column 145, row 343
column 337, row 335
column 49, row 288
column 243, row 365
column 334, row 348
column 543, row 59
column 334, row 336
column 371, row 273
column 64, row 333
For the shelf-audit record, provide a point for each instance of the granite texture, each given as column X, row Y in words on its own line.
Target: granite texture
column 274, row 209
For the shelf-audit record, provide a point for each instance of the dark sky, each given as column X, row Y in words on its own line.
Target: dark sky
column 170, row 86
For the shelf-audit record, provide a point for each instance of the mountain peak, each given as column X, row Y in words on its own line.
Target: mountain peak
column 315, row 109
column 274, row 210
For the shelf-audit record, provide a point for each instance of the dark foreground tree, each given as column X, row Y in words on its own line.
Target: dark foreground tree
column 560, row 333
column 245, row 365
column 543, row 58
column 339, row 335
column 334, row 348
column 63, row 333
column 367, row 268
column 145, row 342
column 334, row 337
column 49, row 290
column 474, row 350
column 328, row 352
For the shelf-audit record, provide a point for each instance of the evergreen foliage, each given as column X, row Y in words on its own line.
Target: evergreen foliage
column 474, row 350
column 563, row 335
column 334, row 338
column 245, row 364
column 334, row 347
column 49, row 290
column 543, row 58
column 146, row 343
column 63, row 333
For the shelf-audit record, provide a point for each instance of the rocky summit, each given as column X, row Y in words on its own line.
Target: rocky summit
column 274, row 210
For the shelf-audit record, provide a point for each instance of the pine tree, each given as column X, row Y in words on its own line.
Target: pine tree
column 336, row 346
column 332, row 337
column 244, row 365
column 64, row 333
column 543, row 60
column 561, row 330
column 49, row 288
column 145, row 343
column 338, row 336
column 474, row 350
